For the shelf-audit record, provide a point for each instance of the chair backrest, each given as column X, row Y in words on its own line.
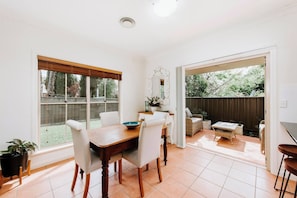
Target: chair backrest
column 110, row 118
column 81, row 145
column 149, row 141
column 161, row 115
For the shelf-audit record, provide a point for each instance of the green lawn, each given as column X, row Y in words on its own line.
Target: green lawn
column 59, row 134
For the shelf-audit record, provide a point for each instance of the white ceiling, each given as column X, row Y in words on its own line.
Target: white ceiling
column 98, row 20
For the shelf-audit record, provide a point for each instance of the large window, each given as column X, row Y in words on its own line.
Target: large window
column 65, row 95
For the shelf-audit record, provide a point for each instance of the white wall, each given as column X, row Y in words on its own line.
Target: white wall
column 278, row 32
column 20, row 44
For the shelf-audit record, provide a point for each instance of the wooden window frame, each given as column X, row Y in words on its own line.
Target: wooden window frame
column 52, row 64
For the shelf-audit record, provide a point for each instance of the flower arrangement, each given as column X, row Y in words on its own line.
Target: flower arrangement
column 154, row 101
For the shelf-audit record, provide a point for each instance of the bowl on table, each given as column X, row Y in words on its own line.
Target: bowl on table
column 131, row 125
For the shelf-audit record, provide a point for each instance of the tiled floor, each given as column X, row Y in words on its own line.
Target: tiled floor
column 189, row 173
column 242, row 147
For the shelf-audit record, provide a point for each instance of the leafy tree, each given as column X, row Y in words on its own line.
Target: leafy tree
column 248, row 81
column 98, row 85
column 195, row 86
column 83, row 86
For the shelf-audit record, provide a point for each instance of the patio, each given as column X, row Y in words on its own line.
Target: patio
column 243, row 147
column 248, row 111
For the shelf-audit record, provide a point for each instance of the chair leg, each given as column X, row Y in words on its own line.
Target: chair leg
column 140, row 181
column 295, row 193
column 87, row 185
column 159, row 169
column 278, row 173
column 281, row 188
column 81, row 173
column 147, row 167
column 115, row 166
column 284, row 191
column 21, row 175
column 74, row 177
column 120, row 171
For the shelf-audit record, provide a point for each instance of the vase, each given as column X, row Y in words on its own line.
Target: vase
column 153, row 109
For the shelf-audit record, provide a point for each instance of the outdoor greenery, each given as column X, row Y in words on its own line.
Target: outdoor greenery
column 76, row 86
column 64, row 96
column 59, row 134
column 239, row 82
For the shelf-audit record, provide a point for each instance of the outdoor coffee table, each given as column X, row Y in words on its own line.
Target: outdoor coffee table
column 224, row 129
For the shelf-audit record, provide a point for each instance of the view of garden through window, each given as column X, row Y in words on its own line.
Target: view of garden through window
column 239, row 82
column 70, row 96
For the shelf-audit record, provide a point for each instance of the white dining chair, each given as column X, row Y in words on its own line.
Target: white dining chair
column 110, row 118
column 165, row 116
column 148, row 148
column 85, row 158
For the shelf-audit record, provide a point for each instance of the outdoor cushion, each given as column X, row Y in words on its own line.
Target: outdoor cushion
column 188, row 113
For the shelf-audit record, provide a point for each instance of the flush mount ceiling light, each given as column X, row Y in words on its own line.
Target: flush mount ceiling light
column 164, row 8
column 127, row 22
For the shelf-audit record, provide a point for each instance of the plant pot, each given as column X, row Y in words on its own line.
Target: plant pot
column 153, row 109
column 206, row 124
column 10, row 164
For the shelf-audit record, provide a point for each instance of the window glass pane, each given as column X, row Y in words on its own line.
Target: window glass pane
column 104, row 97
column 52, row 86
column 77, row 112
column 64, row 96
column 112, row 106
column 76, row 88
column 111, row 90
column 53, row 130
column 103, row 89
column 96, row 108
column 97, row 89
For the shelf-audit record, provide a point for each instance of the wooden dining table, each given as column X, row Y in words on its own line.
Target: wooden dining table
column 111, row 140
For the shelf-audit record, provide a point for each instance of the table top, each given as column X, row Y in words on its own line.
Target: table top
column 291, row 128
column 225, row 126
column 111, row 135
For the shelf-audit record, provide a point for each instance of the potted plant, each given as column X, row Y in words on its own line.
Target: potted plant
column 15, row 156
column 154, row 102
column 206, row 123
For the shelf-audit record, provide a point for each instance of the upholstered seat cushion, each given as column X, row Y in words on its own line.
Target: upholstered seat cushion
column 194, row 120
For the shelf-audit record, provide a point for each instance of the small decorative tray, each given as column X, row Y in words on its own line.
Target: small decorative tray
column 131, row 125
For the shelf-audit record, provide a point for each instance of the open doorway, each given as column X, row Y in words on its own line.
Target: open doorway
column 231, row 92
column 270, row 94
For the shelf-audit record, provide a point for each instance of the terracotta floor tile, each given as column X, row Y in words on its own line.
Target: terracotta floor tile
column 228, row 194
column 172, row 188
column 245, row 167
column 213, row 177
column 243, row 176
column 223, row 160
column 184, row 177
column 220, row 168
column 206, row 188
column 239, row 187
column 192, row 168
column 192, row 194
column 190, row 172
column 263, row 194
column 156, row 193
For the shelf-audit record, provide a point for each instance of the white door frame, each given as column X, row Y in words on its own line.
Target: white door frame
column 271, row 97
